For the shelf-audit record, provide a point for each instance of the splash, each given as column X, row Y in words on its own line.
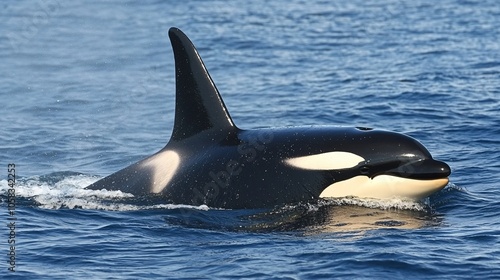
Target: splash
column 383, row 204
column 67, row 190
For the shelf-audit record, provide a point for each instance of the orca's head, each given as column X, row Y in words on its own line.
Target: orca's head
column 371, row 163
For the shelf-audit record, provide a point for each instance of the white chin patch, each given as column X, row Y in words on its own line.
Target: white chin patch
column 163, row 166
column 384, row 187
column 326, row 161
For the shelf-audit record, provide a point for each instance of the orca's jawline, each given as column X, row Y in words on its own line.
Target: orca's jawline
column 384, row 187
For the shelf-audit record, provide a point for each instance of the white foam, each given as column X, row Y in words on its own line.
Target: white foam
column 70, row 193
column 383, row 204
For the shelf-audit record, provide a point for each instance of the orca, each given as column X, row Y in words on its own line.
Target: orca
column 210, row 161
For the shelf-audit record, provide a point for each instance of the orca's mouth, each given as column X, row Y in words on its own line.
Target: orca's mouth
column 403, row 177
column 424, row 169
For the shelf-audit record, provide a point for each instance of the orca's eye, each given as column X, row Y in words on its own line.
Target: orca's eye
column 365, row 170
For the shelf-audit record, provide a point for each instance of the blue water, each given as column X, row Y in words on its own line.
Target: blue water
column 87, row 88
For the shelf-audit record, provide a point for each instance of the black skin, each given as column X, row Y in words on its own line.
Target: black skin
column 248, row 171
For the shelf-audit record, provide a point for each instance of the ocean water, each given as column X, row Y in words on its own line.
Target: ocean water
column 87, row 88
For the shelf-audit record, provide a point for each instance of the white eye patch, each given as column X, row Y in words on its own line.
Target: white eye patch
column 326, row 161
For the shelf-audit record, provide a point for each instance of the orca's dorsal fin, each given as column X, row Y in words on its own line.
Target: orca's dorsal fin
column 198, row 105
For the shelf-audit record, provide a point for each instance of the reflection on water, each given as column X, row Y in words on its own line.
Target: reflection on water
column 345, row 215
column 358, row 218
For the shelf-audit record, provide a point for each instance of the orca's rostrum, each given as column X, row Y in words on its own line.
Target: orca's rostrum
column 210, row 161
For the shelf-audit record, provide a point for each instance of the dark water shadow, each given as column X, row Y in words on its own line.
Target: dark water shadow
column 307, row 218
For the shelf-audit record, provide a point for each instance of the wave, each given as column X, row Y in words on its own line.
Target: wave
column 66, row 190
